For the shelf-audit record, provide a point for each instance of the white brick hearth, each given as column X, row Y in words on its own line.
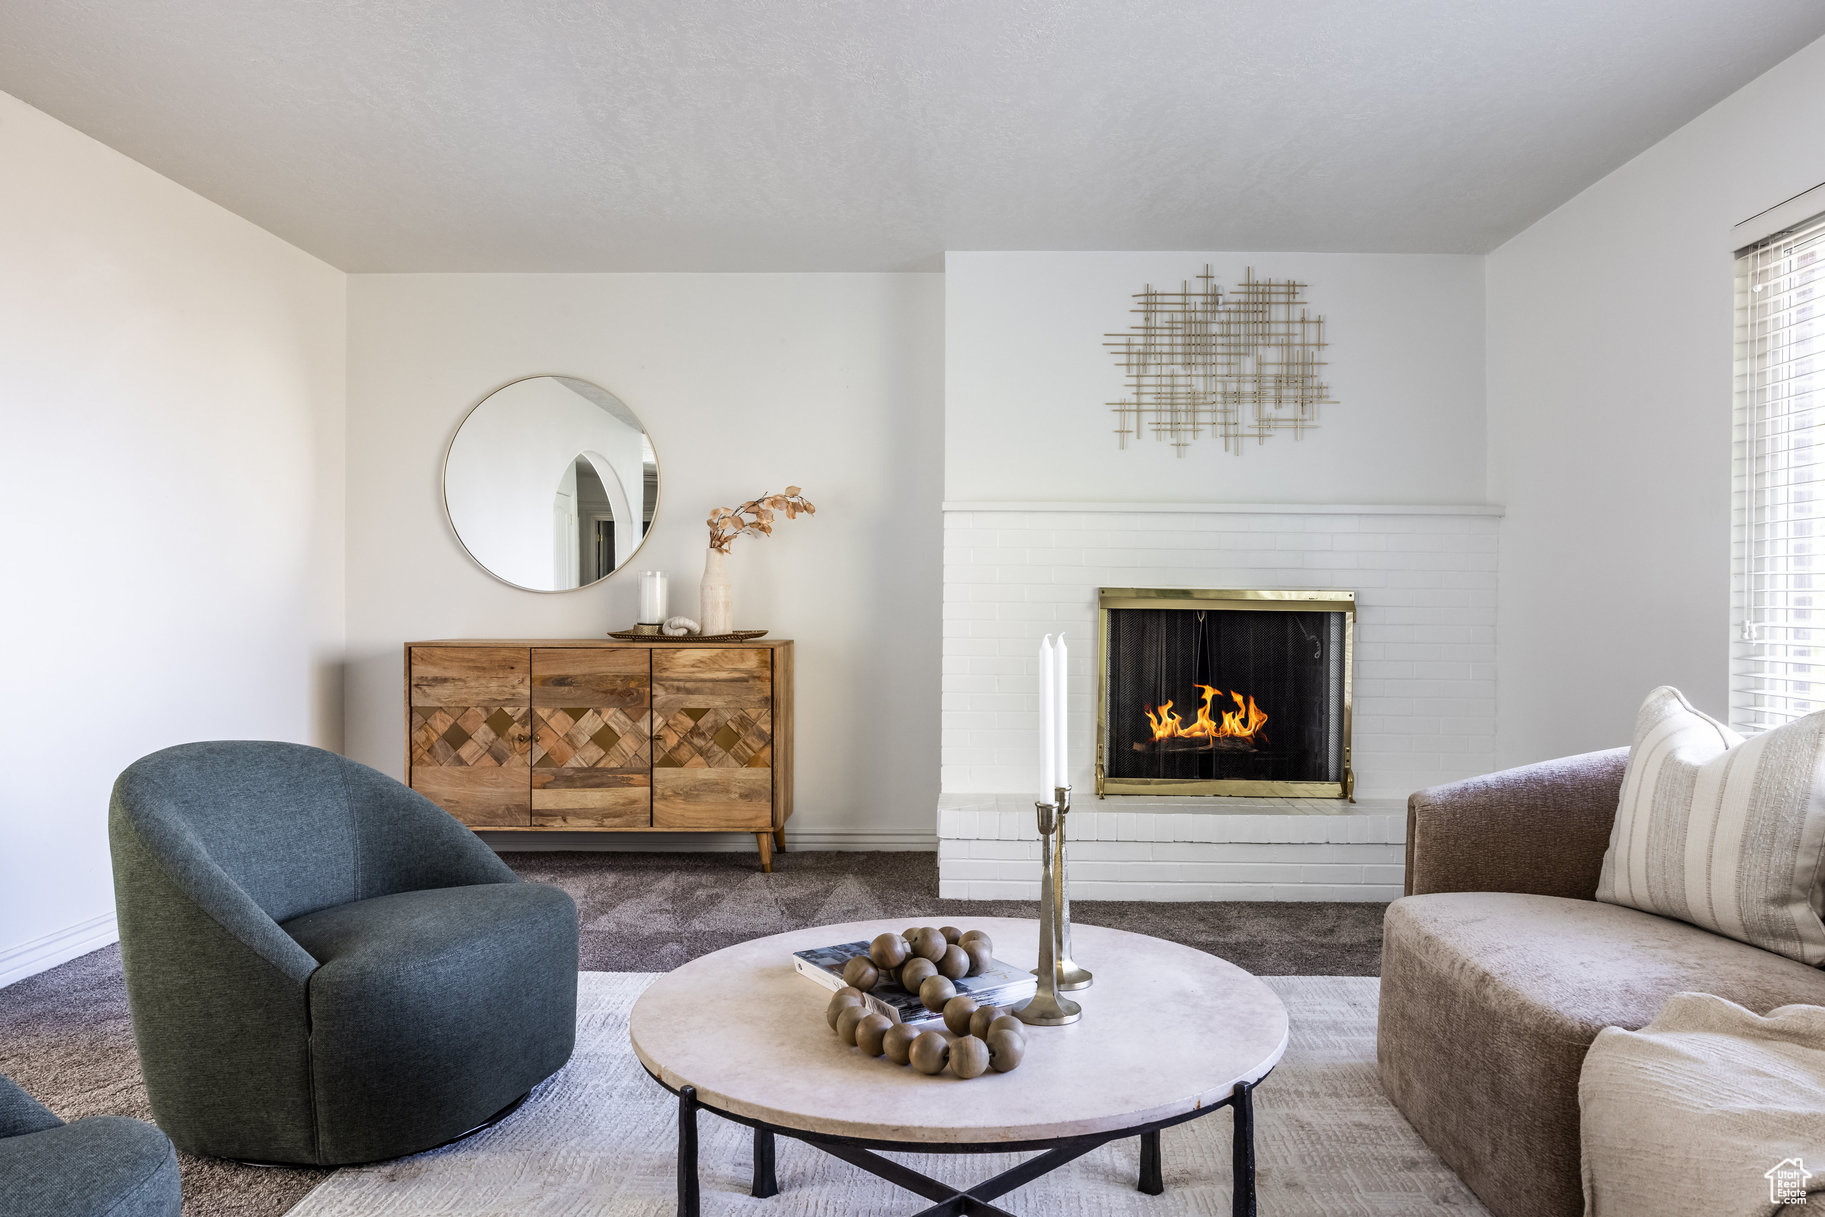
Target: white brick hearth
column 1178, row 849
column 1424, row 697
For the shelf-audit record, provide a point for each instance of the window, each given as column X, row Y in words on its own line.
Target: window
column 1777, row 668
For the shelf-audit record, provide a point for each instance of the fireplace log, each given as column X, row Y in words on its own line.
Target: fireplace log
column 1179, row 743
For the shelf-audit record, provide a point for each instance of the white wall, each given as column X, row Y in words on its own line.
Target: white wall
column 171, row 398
column 1610, row 404
column 1027, row 382
column 746, row 383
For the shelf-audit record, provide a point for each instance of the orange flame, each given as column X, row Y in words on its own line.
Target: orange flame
column 1241, row 723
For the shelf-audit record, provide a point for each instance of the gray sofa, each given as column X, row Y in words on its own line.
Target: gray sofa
column 104, row 1166
column 1499, row 969
column 323, row 967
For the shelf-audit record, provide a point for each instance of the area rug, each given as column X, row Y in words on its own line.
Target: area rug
column 598, row 1140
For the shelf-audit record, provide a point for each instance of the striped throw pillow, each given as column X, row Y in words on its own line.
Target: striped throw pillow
column 1724, row 833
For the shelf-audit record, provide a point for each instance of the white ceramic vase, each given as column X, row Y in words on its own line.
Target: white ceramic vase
column 716, row 600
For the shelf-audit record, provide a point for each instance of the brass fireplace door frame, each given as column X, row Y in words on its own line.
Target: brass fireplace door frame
column 1280, row 600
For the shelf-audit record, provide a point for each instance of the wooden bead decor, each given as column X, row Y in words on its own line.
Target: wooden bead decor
column 969, row 936
column 929, row 944
column 1007, row 1022
column 847, row 1020
column 926, row 960
column 869, row 1032
column 915, row 972
column 969, row 1057
column 935, row 991
column 861, row 973
column 910, row 958
column 888, row 952
column 1006, row 1047
column 840, row 1001
column 931, row 1052
column 897, row 1043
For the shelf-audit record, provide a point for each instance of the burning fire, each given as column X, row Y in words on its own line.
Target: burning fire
column 1241, row 723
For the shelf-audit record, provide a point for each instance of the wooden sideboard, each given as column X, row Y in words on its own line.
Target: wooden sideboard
column 589, row 736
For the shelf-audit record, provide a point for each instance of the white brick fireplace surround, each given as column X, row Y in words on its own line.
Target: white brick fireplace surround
column 1424, row 696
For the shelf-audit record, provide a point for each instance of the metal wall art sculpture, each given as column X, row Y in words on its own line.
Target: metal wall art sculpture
column 1235, row 366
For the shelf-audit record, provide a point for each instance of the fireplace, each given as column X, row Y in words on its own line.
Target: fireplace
column 1224, row 692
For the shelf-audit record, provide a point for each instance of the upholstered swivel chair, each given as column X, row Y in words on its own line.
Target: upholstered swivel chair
column 323, row 966
column 104, row 1166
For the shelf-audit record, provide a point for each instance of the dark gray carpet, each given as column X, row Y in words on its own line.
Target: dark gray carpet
column 66, row 1037
column 650, row 912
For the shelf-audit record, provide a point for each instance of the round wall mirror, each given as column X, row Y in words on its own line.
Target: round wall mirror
column 550, row 483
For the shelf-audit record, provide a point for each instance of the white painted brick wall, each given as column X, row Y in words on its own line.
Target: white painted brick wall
column 1211, row 849
column 1425, row 582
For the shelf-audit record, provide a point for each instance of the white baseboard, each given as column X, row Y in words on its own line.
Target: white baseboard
column 898, row 840
column 42, row 954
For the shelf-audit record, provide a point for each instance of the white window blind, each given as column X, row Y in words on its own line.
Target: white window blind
column 1777, row 669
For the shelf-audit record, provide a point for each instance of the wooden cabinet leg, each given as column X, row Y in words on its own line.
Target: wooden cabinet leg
column 779, row 840
column 765, row 841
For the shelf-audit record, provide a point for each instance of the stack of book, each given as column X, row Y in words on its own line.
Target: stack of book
column 999, row 984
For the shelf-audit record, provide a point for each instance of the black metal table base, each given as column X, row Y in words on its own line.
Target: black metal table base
column 974, row 1201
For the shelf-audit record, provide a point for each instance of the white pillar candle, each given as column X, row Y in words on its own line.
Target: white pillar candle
column 652, row 597
column 1061, row 750
column 1048, row 764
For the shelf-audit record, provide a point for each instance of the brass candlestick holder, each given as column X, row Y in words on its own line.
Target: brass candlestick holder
column 1046, row 1008
column 1070, row 975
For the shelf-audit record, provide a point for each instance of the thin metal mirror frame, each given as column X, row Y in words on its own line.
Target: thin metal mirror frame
column 1282, row 600
column 443, row 486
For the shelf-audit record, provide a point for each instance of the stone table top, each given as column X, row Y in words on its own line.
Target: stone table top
column 1166, row 1030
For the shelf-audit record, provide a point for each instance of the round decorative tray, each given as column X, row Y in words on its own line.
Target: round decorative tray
column 734, row 636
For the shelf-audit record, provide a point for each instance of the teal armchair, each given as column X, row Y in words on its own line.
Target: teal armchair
column 104, row 1166
column 324, row 967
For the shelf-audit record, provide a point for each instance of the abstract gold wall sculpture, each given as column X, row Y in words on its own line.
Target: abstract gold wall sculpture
column 1235, row 366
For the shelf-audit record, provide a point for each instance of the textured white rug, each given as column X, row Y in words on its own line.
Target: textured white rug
column 598, row 1140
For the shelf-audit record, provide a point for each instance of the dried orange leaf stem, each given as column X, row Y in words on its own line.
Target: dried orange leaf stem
column 755, row 517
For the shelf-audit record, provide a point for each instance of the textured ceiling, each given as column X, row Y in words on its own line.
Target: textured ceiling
column 568, row 135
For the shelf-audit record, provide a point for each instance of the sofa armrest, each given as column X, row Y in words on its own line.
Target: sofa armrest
column 1539, row 830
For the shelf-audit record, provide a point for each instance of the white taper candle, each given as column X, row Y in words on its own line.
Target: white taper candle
column 1048, row 763
column 1061, row 748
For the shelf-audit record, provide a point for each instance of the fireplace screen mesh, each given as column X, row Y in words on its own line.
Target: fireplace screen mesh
column 1225, row 695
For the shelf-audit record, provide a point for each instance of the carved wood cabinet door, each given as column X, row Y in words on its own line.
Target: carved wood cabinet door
column 713, row 738
column 592, row 733
column 470, row 732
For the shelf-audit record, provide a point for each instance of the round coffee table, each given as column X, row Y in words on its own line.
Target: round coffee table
column 1169, row 1034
